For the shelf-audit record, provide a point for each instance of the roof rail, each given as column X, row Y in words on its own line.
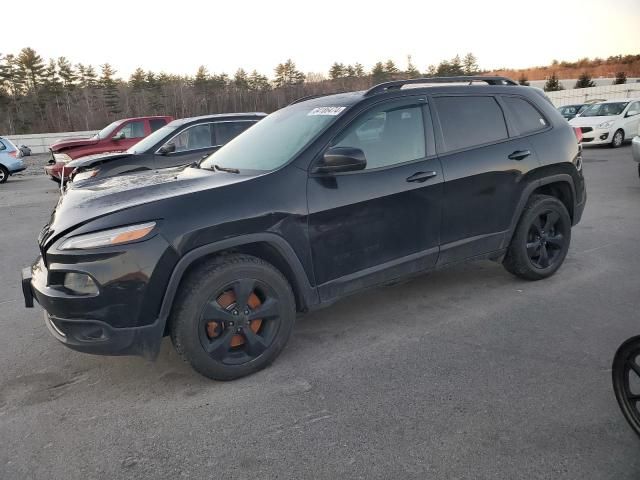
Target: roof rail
column 398, row 84
column 309, row 97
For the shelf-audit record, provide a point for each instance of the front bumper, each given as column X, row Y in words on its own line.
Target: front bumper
column 635, row 148
column 122, row 318
column 56, row 171
column 597, row 136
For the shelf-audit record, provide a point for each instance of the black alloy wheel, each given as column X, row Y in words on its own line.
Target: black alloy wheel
column 239, row 322
column 233, row 316
column 546, row 239
column 626, row 381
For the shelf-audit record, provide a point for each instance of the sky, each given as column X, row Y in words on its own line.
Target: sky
column 179, row 36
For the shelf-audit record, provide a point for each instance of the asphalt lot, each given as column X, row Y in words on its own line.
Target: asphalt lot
column 464, row 373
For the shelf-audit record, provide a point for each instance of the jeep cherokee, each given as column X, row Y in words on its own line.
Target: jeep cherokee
column 321, row 199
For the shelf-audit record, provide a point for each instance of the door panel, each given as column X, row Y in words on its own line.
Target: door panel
column 374, row 225
column 483, row 183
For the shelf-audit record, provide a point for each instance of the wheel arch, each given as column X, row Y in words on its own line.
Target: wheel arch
column 267, row 246
column 559, row 185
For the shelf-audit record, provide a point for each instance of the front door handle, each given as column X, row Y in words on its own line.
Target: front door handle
column 519, row 155
column 421, row 176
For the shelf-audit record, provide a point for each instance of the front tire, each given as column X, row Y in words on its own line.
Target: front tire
column 541, row 240
column 233, row 316
column 618, row 139
column 626, row 376
column 4, row 174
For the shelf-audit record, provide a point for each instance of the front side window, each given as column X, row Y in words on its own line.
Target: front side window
column 526, row 117
column 470, row 121
column 387, row 135
column 277, row 139
column 148, row 142
column 106, row 131
column 227, row 131
column 605, row 109
column 133, row 129
column 193, row 138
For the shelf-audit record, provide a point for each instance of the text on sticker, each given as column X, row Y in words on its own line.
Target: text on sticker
column 326, row 111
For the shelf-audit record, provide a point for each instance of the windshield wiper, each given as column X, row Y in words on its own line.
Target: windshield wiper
column 225, row 169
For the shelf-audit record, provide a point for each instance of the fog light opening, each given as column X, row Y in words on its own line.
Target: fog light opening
column 80, row 284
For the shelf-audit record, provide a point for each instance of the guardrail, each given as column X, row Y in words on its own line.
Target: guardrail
column 39, row 142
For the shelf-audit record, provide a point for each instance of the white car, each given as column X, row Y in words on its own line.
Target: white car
column 610, row 122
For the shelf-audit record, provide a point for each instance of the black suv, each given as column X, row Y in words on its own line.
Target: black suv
column 180, row 142
column 321, row 199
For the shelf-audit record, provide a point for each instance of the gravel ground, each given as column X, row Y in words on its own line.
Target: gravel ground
column 464, row 373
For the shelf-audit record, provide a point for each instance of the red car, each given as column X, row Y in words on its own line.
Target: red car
column 115, row 137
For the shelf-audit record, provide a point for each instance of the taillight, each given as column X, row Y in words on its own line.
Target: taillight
column 14, row 154
column 578, row 132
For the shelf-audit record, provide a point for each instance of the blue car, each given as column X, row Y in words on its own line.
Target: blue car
column 10, row 159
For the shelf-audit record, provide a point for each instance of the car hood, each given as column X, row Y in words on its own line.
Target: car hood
column 80, row 205
column 590, row 121
column 88, row 160
column 73, row 142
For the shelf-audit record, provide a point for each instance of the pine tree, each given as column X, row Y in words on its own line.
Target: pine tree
column 523, row 80
column 553, row 84
column 358, row 70
column 33, row 66
column 390, row 68
column 455, row 66
column 241, row 79
column 412, row 71
column 258, row 82
column 621, row 78
column 110, row 90
column 337, row 70
column 470, row 64
column 378, row 73
column 584, row 81
column 287, row 74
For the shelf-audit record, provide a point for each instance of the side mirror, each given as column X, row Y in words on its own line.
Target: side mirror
column 120, row 136
column 167, row 148
column 341, row 159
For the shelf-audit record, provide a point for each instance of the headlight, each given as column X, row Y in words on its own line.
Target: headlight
column 606, row 124
column 85, row 174
column 107, row 238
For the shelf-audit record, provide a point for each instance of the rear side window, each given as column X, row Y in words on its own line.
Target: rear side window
column 470, row 121
column 526, row 118
column 226, row 131
column 2, row 146
column 157, row 123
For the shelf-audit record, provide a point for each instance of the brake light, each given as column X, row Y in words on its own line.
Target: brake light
column 14, row 154
column 578, row 132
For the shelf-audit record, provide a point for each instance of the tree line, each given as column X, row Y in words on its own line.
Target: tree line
column 58, row 95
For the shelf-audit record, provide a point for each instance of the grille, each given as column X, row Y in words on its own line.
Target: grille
column 586, row 129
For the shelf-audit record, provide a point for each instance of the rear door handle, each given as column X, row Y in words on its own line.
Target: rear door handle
column 421, row 176
column 519, row 155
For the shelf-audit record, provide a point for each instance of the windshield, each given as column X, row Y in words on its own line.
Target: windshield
column 604, row 109
column 276, row 140
column 148, row 142
column 104, row 133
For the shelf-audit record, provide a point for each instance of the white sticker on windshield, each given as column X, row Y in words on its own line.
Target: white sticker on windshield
column 326, row 111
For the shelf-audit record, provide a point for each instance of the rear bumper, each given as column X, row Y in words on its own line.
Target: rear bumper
column 16, row 170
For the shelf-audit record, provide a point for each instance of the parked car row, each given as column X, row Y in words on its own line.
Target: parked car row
column 315, row 202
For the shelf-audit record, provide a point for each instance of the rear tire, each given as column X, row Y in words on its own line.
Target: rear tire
column 4, row 174
column 618, row 139
column 541, row 240
column 232, row 317
column 625, row 365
